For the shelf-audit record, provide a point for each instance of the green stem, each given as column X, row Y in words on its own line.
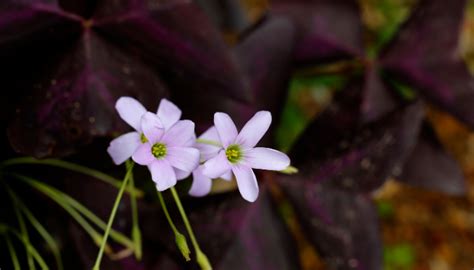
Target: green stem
column 167, row 214
column 48, row 238
column 31, row 249
column 180, row 239
column 25, row 236
column 200, row 256
column 11, row 250
column 72, row 167
column 48, row 191
column 210, row 142
column 112, row 217
column 289, row 170
column 75, row 208
column 136, row 233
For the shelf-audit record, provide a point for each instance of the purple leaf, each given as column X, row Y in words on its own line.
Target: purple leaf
column 326, row 29
column 229, row 15
column 430, row 61
column 342, row 226
column 430, row 166
column 377, row 100
column 75, row 101
column 84, row 8
column 265, row 56
column 71, row 85
column 337, row 148
column 236, row 234
column 188, row 49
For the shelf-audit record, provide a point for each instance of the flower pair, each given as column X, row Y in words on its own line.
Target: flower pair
column 168, row 146
column 161, row 141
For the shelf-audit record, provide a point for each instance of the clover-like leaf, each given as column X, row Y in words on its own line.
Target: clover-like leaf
column 430, row 166
column 326, row 29
column 430, row 61
column 342, row 226
column 229, row 15
column 339, row 148
column 127, row 48
column 238, row 235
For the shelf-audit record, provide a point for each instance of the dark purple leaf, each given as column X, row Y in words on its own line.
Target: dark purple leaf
column 377, row 100
column 430, row 166
column 229, row 15
column 236, row 234
column 338, row 148
column 342, row 226
column 430, row 61
column 188, row 49
column 75, row 101
column 83, row 8
column 326, row 29
column 265, row 55
column 71, row 91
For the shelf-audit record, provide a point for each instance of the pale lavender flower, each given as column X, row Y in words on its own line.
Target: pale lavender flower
column 166, row 149
column 202, row 184
column 239, row 154
column 131, row 111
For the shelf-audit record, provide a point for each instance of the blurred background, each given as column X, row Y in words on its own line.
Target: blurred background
column 420, row 228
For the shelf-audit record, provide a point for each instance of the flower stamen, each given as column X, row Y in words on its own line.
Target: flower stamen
column 158, row 150
column 233, row 153
column 143, row 139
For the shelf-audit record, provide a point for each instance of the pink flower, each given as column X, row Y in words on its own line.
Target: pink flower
column 167, row 149
column 239, row 154
column 131, row 111
column 202, row 184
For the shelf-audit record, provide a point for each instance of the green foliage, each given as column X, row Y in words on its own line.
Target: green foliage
column 401, row 256
column 307, row 95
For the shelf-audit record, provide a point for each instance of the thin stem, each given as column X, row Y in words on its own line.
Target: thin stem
column 75, row 208
column 48, row 238
column 180, row 239
column 11, row 250
column 72, row 167
column 112, row 217
column 210, row 142
column 167, row 214
column 31, row 249
column 43, row 188
column 200, row 256
column 25, row 236
column 136, row 233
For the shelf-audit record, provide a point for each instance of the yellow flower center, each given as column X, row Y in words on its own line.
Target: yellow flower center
column 233, row 153
column 158, row 150
column 143, row 139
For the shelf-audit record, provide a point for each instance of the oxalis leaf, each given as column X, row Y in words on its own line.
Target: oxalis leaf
column 71, row 89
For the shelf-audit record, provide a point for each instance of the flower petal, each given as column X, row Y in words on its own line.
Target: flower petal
column 246, row 182
column 180, row 174
column 191, row 142
column 162, row 174
column 225, row 128
column 179, row 134
column 201, row 183
column 216, row 166
column 183, row 158
column 152, row 127
column 168, row 113
column 266, row 159
column 123, row 147
column 210, row 134
column 254, row 129
column 143, row 155
column 131, row 111
column 227, row 176
column 209, row 151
